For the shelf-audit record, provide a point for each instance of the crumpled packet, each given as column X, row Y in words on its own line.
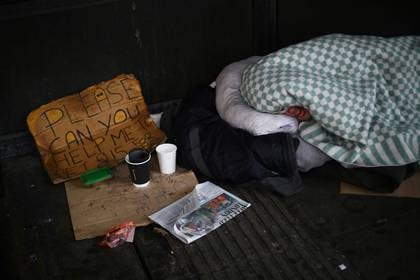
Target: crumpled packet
column 119, row 234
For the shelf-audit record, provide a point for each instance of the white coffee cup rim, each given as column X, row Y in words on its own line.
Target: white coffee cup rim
column 127, row 160
column 141, row 185
column 169, row 146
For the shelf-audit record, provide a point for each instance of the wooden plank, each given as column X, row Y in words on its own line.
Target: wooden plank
column 94, row 210
column 409, row 188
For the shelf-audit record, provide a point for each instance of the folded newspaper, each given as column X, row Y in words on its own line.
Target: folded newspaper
column 206, row 208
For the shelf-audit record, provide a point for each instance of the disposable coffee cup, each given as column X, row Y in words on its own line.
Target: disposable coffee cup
column 166, row 154
column 138, row 162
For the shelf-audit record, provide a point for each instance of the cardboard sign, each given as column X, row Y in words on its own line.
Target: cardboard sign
column 96, row 127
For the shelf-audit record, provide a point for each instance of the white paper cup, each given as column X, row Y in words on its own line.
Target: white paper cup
column 166, row 154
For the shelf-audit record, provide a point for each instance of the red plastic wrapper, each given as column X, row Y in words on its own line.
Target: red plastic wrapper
column 119, row 234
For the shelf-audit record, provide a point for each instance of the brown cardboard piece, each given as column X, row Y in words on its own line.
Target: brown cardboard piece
column 94, row 210
column 96, row 127
column 409, row 188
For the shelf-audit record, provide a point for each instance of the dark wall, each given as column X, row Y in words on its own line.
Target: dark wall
column 300, row 20
column 50, row 49
column 53, row 50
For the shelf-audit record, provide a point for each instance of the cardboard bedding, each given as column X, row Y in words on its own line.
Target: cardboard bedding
column 363, row 93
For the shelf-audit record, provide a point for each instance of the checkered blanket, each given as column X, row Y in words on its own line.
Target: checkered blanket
column 363, row 93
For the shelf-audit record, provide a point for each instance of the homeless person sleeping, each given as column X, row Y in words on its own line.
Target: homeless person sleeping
column 351, row 99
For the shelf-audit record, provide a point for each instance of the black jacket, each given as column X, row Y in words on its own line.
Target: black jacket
column 210, row 146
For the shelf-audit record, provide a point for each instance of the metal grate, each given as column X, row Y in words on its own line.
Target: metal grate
column 264, row 242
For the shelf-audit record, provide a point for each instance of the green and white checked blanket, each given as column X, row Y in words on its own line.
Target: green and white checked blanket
column 363, row 93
